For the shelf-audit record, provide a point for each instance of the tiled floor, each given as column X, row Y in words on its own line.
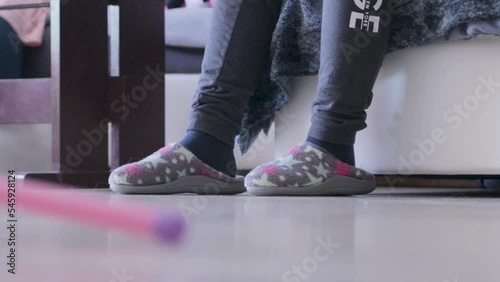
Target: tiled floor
column 391, row 236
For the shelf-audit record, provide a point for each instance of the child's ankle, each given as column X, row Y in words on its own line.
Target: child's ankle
column 344, row 153
column 211, row 151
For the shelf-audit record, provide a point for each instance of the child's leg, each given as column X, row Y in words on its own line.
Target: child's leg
column 353, row 45
column 354, row 41
column 238, row 47
column 235, row 55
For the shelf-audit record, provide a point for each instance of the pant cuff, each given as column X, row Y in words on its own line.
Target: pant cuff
column 335, row 135
column 221, row 130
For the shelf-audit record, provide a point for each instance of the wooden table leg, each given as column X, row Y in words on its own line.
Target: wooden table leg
column 80, row 85
column 142, row 65
column 79, row 92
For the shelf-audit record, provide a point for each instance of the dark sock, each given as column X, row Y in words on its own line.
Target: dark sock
column 344, row 153
column 211, row 151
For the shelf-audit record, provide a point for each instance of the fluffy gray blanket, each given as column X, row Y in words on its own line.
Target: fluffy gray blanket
column 296, row 41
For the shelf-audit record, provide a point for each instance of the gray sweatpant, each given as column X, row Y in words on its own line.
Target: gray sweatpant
column 354, row 40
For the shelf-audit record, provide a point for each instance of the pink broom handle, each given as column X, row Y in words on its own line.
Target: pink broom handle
column 41, row 197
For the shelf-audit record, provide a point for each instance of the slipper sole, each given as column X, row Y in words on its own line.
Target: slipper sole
column 337, row 185
column 196, row 184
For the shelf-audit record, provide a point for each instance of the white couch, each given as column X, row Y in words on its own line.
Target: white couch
column 407, row 133
column 412, row 124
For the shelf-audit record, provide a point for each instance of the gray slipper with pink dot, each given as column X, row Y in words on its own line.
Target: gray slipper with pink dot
column 307, row 170
column 173, row 169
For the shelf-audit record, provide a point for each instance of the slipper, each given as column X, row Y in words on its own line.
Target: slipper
column 173, row 169
column 308, row 170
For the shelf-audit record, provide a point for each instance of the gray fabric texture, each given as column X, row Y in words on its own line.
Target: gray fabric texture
column 236, row 53
column 187, row 27
column 296, row 44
